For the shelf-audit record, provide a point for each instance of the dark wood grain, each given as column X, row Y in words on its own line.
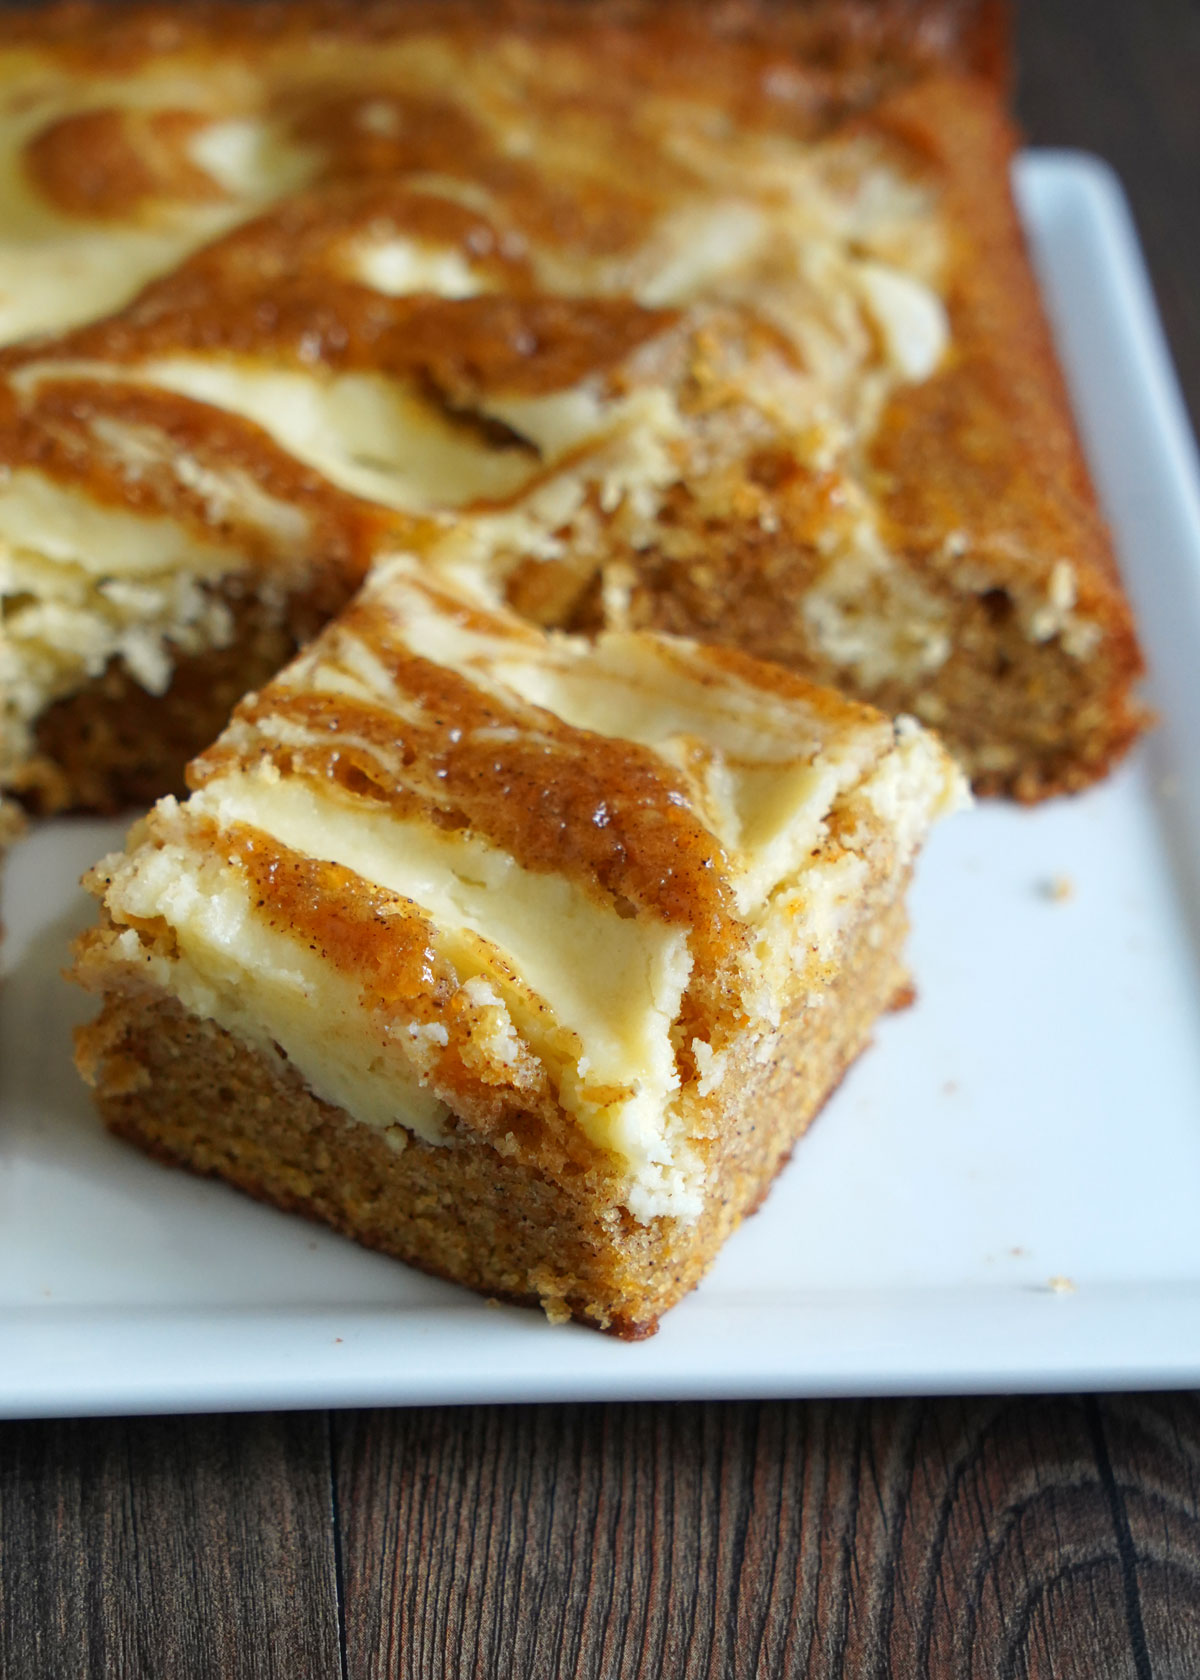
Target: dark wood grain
column 1150, row 1446
column 167, row 1549
column 954, row 1539
column 1121, row 78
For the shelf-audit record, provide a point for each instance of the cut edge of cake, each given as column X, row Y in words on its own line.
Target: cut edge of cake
column 798, row 395
column 523, row 958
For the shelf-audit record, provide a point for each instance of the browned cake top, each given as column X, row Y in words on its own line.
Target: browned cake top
column 552, row 876
column 630, row 769
column 477, row 199
column 293, row 286
column 606, row 811
column 850, row 49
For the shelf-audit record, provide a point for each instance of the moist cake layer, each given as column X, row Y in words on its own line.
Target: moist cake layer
column 702, row 318
column 481, row 887
column 475, row 1213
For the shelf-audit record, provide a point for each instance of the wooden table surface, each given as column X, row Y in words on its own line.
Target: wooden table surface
column 982, row 1538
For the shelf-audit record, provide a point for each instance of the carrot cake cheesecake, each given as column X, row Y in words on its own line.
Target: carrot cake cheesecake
column 524, row 957
column 699, row 317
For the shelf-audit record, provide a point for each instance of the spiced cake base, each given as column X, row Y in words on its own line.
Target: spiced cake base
column 189, row 1093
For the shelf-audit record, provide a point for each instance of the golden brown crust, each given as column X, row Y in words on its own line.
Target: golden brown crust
column 986, row 447
column 458, row 347
column 984, row 456
column 117, row 163
column 859, row 41
column 469, row 1212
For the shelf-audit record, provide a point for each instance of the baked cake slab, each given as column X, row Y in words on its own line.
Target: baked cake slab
column 524, row 958
column 713, row 319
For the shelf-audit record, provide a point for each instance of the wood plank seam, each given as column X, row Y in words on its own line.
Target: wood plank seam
column 339, row 1578
column 1126, row 1550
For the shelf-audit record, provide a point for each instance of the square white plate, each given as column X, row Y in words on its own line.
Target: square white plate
column 1002, row 1195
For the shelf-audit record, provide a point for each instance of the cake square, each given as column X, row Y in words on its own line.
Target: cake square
column 522, row 957
column 713, row 319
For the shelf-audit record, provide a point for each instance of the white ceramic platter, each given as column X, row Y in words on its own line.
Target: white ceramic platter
column 1036, row 1117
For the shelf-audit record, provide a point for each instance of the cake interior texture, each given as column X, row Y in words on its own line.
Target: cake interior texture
column 703, row 318
column 525, row 957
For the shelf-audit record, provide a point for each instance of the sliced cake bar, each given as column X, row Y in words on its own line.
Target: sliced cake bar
column 522, row 957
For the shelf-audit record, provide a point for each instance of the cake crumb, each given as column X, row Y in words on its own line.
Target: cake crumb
column 1060, row 1285
column 1057, row 888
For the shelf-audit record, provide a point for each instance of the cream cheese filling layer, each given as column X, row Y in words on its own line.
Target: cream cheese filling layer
column 82, row 584
column 61, row 269
column 590, row 994
column 270, row 991
column 60, row 626
column 875, row 616
column 593, row 995
column 764, row 770
column 377, row 437
column 367, row 434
